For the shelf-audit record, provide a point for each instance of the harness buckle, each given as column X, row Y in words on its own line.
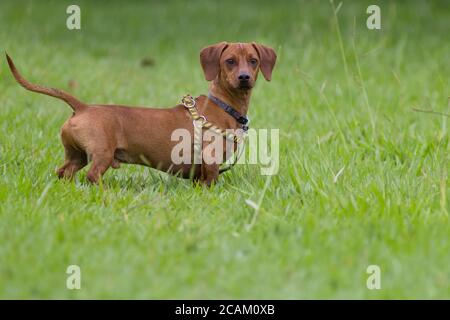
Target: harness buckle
column 242, row 120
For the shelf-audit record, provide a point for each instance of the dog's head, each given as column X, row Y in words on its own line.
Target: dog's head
column 236, row 65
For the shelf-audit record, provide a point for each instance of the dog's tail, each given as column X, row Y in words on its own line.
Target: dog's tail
column 71, row 100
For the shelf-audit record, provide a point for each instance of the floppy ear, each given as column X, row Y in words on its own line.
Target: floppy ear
column 209, row 59
column 267, row 57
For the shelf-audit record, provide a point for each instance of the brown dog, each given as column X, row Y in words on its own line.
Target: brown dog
column 113, row 134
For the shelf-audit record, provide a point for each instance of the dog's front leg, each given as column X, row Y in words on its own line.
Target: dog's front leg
column 209, row 169
column 209, row 173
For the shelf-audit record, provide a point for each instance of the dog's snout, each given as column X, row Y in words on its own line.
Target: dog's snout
column 244, row 77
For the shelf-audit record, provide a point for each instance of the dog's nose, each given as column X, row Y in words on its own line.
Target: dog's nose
column 244, row 77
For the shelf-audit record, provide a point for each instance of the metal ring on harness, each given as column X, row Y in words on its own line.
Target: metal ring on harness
column 188, row 101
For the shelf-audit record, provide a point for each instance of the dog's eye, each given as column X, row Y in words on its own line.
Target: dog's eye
column 253, row 62
column 230, row 61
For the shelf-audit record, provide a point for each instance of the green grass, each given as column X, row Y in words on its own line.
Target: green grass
column 148, row 235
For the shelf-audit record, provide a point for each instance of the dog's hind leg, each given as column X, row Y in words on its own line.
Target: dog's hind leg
column 75, row 161
column 101, row 161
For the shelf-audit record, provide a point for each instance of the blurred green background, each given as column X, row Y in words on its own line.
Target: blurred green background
column 363, row 178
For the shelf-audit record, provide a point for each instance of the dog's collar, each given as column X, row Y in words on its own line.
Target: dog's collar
column 230, row 110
